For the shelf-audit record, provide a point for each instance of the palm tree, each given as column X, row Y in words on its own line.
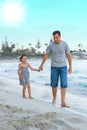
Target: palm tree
column 46, row 45
column 29, row 47
column 17, row 45
column 80, row 47
column 22, row 47
column 38, row 45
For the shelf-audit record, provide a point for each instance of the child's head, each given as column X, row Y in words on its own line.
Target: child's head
column 23, row 58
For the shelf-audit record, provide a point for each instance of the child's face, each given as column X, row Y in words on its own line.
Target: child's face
column 24, row 59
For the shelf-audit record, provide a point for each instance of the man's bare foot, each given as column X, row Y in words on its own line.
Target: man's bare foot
column 31, row 97
column 65, row 105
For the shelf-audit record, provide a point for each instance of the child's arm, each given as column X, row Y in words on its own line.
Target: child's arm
column 19, row 68
column 33, row 69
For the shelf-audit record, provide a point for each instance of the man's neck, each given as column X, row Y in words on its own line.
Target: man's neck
column 58, row 42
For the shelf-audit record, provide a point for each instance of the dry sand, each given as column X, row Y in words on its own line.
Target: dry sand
column 17, row 113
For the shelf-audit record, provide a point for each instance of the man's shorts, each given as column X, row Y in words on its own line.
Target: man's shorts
column 57, row 72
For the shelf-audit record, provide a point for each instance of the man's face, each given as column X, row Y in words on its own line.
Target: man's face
column 56, row 38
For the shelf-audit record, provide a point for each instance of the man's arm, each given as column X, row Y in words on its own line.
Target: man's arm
column 45, row 57
column 70, row 62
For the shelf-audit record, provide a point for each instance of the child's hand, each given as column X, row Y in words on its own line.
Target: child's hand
column 20, row 77
column 38, row 70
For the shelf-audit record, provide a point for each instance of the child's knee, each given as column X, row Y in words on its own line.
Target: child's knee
column 28, row 86
column 24, row 87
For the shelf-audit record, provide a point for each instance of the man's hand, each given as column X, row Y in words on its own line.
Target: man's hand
column 70, row 63
column 70, row 70
column 43, row 61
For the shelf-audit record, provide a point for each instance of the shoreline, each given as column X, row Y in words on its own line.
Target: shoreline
column 33, row 57
column 17, row 57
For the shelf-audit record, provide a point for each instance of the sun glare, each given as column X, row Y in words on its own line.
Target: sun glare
column 12, row 12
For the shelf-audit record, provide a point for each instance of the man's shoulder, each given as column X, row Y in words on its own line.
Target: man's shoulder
column 64, row 42
column 51, row 43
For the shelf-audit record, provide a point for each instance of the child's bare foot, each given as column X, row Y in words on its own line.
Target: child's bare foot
column 24, row 97
column 53, row 102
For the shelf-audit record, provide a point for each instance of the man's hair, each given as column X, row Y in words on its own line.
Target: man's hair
column 56, row 32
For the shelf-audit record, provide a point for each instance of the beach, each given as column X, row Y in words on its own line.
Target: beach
column 29, row 30
column 39, row 113
column 17, row 113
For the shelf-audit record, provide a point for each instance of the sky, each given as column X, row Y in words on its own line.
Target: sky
column 37, row 19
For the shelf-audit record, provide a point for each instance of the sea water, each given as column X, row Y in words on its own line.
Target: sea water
column 77, row 81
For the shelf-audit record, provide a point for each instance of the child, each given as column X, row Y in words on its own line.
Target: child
column 23, row 74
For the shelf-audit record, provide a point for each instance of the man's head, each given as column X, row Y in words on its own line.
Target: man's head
column 56, row 36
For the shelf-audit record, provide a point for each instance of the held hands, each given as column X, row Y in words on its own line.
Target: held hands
column 38, row 70
column 41, row 67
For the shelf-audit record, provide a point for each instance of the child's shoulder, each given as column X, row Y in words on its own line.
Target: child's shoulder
column 20, row 65
column 27, row 63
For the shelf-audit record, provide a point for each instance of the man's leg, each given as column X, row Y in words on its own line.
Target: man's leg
column 63, row 79
column 54, row 82
column 54, row 92
column 63, row 95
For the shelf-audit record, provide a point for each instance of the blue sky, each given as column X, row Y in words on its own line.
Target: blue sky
column 42, row 17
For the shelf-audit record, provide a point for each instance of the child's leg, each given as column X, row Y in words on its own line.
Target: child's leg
column 23, row 91
column 29, row 91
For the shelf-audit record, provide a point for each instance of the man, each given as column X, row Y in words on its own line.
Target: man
column 59, row 52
